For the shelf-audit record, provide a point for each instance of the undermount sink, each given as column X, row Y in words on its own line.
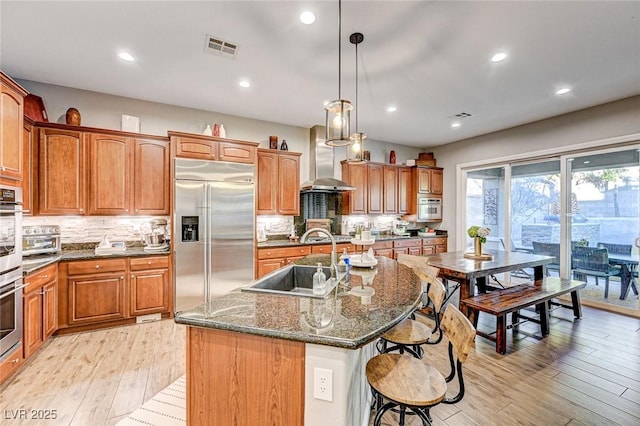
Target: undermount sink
column 293, row 280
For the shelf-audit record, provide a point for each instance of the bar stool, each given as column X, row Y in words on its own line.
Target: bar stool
column 409, row 335
column 406, row 382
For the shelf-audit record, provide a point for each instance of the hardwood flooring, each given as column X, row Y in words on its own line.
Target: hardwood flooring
column 584, row 373
column 97, row 377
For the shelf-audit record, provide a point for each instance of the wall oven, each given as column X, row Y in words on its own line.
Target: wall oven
column 10, row 310
column 429, row 209
column 10, row 228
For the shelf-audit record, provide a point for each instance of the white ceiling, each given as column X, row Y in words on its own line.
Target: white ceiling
column 429, row 58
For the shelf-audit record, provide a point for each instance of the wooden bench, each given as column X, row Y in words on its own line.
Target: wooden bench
column 513, row 299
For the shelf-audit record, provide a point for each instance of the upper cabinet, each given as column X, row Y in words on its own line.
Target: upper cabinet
column 111, row 173
column 278, row 189
column 11, row 129
column 151, row 160
column 61, row 172
column 110, row 170
column 28, row 153
column 202, row 147
column 428, row 180
column 380, row 188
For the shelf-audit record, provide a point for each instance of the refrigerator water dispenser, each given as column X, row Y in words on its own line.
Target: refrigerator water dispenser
column 189, row 228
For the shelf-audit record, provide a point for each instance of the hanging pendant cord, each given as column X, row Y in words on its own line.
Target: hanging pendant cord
column 357, row 107
column 339, row 48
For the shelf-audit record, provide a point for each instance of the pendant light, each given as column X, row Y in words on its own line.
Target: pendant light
column 338, row 112
column 358, row 137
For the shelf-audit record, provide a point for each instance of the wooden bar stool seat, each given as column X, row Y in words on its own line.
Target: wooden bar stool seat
column 410, row 334
column 406, row 383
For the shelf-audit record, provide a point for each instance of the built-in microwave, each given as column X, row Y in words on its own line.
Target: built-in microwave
column 429, row 208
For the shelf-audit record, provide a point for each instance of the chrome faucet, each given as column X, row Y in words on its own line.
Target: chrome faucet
column 334, row 264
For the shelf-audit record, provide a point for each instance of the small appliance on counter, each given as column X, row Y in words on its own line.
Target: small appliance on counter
column 155, row 241
column 40, row 239
column 401, row 228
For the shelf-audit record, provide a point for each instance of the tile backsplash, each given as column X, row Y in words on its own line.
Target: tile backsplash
column 90, row 229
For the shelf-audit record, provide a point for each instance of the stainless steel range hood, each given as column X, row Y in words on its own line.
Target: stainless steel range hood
column 321, row 166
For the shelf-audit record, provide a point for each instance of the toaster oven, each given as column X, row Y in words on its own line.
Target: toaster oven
column 43, row 239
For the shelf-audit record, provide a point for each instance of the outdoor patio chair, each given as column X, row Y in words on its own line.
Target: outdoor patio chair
column 520, row 273
column 548, row 249
column 593, row 261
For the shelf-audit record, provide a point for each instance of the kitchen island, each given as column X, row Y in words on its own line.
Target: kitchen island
column 253, row 357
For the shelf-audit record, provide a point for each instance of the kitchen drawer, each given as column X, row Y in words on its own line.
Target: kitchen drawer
column 97, row 265
column 410, row 242
column 383, row 245
column 11, row 363
column 272, row 253
column 42, row 276
column 434, row 241
column 141, row 263
column 351, row 248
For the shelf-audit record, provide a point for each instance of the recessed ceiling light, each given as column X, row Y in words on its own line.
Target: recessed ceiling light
column 126, row 56
column 498, row 57
column 391, row 109
column 325, row 103
column 244, row 83
column 307, row 17
column 454, row 125
column 563, row 91
column 586, row 162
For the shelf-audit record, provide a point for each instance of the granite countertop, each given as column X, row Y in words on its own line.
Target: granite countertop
column 349, row 317
column 33, row 263
column 340, row 239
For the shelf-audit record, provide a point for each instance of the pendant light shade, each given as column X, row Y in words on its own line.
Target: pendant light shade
column 357, row 139
column 338, row 112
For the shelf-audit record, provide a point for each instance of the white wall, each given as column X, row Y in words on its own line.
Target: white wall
column 615, row 119
column 105, row 111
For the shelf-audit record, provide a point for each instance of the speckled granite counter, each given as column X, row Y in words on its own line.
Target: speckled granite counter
column 340, row 239
column 347, row 318
column 33, row 263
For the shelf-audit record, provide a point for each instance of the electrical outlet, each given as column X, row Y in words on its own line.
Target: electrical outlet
column 323, row 384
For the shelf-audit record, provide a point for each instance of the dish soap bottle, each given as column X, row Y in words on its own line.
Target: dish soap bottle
column 319, row 281
column 343, row 264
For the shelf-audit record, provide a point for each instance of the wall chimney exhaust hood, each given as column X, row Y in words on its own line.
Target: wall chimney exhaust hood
column 321, row 166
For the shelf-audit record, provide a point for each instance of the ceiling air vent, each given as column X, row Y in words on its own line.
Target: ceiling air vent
column 215, row 45
column 462, row 115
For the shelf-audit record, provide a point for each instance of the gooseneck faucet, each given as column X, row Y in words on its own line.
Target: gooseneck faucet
column 334, row 264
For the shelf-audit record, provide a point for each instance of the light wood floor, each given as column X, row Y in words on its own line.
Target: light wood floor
column 98, row 377
column 587, row 372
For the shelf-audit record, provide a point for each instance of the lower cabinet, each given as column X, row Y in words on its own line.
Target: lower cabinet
column 149, row 286
column 270, row 259
column 407, row 246
column 434, row 245
column 98, row 291
column 40, row 308
column 12, row 361
column 383, row 248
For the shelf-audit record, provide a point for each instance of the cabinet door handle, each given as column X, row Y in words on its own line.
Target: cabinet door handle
column 97, row 266
column 81, row 210
column 17, row 360
column 148, row 263
column 122, row 277
column 44, row 276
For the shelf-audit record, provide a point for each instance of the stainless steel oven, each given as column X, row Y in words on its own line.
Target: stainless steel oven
column 10, row 310
column 10, row 228
column 429, row 208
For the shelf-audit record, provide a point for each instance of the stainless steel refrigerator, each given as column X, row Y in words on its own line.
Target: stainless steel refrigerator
column 213, row 229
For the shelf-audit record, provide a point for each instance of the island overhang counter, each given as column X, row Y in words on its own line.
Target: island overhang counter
column 251, row 359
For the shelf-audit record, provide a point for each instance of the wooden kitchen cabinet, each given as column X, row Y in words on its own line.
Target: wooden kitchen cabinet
column 151, row 180
column 27, row 167
column 278, row 188
column 40, row 308
column 383, row 248
column 11, row 130
column 428, row 180
column 11, row 363
column 110, row 174
column 326, row 248
column 61, row 172
column 149, row 285
column 390, row 190
column 434, row 245
column 96, row 291
column 375, row 174
column 404, row 190
column 407, row 246
column 202, row 147
column 270, row 259
column 355, row 174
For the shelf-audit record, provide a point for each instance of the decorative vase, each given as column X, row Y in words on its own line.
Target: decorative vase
column 273, row 142
column 73, row 117
column 223, row 131
column 216, row 130
column 392, row 157
column 284, row 146
column 477, row 247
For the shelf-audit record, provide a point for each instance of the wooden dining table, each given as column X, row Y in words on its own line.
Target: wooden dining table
column 470, row 273
column 628, row 264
